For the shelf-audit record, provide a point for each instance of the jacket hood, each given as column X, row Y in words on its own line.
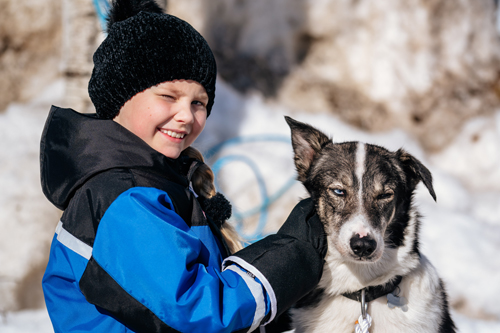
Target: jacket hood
column 75, row 147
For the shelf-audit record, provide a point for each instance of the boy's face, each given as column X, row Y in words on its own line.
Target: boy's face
column 168, row 117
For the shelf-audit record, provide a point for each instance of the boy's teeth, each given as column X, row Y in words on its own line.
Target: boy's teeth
column 173, row 134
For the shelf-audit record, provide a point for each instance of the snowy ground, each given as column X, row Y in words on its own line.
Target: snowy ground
column 460, row 233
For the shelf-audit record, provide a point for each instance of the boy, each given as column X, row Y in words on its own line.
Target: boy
column 133, row 250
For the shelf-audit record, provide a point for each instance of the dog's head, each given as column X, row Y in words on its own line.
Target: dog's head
column 362, row 192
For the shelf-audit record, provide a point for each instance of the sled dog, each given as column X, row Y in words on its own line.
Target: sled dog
column 374, row 275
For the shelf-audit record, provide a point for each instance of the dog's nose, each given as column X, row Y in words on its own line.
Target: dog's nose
column 363, row 246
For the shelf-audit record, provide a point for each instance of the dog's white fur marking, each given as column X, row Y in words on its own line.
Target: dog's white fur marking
column 359, row 223
column 360, row 168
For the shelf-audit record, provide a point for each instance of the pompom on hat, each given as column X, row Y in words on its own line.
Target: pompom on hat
column 146, row 47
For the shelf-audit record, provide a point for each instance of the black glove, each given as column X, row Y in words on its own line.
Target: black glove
column 291, row 260
column 303, row 223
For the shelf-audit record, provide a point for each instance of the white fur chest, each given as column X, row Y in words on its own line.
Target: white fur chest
column 336, row 313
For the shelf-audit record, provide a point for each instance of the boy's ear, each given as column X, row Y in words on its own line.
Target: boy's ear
column 416, row 171
column 307, row 141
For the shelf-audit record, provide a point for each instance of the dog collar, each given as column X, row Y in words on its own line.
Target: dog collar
column 375, row 292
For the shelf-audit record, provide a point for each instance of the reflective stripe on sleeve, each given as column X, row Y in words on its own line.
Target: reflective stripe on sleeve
column 250, row 268
column 72, row 243
column 256, row 290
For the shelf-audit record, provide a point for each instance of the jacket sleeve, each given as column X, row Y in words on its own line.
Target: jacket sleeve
column 288, row 267
column 152, row 273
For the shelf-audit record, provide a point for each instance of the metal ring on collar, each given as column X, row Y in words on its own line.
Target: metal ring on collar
column 364, row 306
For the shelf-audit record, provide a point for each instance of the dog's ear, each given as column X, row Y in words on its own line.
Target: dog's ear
column 306, row 142
column 416, row 171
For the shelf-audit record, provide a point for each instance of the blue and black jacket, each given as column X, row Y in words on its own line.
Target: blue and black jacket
column 134, row 252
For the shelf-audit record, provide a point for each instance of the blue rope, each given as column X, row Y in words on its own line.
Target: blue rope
column 262, row 187
column 266, row 199
column 245, row 139
column 102, row 9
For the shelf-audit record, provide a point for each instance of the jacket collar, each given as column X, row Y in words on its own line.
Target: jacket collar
column 75, row 147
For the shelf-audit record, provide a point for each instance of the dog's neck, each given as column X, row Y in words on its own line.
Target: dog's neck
column 340, row 277
column 375, row 292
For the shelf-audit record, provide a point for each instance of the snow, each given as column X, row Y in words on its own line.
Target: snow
column 460, row 233
column 28, row 321
column 27, row 220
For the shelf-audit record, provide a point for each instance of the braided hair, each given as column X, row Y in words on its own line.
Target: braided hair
column 213, row 203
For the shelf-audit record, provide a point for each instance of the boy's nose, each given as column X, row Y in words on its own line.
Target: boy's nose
column 184, row 113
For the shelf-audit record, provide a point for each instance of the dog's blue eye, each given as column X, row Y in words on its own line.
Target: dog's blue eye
column 339, row 192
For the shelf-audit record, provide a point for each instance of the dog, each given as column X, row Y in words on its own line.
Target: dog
column 374, row 274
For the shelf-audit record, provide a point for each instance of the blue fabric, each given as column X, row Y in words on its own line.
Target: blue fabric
column 68, row 309
column 173, row 270
column 213, row 257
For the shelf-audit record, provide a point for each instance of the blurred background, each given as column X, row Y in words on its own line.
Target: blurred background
column 418, row 74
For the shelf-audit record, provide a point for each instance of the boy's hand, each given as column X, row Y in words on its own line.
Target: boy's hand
column 303, row 223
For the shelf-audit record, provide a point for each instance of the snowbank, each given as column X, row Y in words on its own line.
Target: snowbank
column 27, row 219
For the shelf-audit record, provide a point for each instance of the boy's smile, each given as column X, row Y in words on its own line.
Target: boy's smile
column 172, row 134
column 168, row 116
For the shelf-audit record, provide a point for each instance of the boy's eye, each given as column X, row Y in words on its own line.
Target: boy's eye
column 198, row 103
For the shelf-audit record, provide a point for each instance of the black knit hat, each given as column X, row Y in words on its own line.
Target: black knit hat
column 146, row 47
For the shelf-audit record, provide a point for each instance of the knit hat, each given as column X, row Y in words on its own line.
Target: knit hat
column 146, row 47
